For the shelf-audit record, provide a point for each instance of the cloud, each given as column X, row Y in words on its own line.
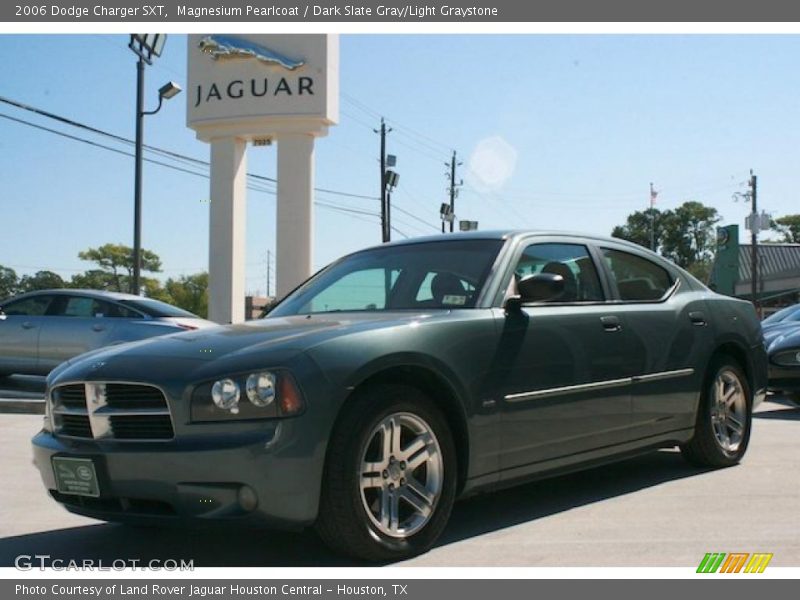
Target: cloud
column 491, row 163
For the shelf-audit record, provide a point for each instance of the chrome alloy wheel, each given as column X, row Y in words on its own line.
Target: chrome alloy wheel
column 728, row 410
column 402, row 475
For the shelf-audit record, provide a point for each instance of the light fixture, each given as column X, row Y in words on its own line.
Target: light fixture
column 169, row 90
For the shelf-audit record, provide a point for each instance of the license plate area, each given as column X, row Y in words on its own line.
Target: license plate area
column 76, row 476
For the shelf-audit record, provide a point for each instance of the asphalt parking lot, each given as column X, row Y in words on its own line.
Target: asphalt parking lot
column 651, row 511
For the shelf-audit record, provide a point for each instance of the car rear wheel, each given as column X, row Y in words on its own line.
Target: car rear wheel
column 390, row 476
column 724, row 417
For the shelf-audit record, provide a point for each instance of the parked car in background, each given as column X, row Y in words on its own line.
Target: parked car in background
column 782, row 338
column 786, row 318
column 402, row 377
column 41, row 329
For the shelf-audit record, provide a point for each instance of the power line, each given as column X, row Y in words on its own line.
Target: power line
column 168, row 153
column 186, row 160
column 96, row 144
column 250, row 186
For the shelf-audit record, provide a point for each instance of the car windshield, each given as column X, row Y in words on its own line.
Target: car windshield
column 156, row 308
column 447, row 274
column 790, row 313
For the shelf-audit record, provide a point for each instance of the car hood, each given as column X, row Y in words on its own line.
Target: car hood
column 284, row 335
column 782, row 338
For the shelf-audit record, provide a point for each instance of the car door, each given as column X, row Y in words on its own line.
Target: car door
column 563, row 364
column 668, row 324
column 20, row 331
column 75, row 324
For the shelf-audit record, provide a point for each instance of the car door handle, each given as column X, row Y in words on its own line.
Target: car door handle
column 98, row 327
column 698, row 318
column 611, row 324
column 28, row 325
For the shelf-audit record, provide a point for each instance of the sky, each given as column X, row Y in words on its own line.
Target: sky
column 560, row 132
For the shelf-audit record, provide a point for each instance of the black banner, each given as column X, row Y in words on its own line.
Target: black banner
column 396, row 11
column 399, row 588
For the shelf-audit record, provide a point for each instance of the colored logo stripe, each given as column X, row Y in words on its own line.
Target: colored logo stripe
column 711, row 562
column 758, row 563
column 734, row 563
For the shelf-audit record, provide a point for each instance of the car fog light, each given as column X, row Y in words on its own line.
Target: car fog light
column 261, row 389
column 247, row 498
column 787, row 359
column 225, row 394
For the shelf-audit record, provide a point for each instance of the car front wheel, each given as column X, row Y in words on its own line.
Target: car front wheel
column 724, row 417
column 390, row 476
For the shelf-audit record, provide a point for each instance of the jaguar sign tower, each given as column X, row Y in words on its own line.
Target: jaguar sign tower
column 261, row 89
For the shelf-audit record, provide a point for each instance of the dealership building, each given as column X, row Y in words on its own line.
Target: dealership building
column 778, row 270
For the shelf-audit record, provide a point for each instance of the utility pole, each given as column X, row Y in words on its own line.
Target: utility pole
column 453, row 189
column 754, row 239
column 269, row 258
column 653, row 195
column 386, row 232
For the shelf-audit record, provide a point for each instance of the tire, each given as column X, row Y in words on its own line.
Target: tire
column 721, row 435
column 358, row 521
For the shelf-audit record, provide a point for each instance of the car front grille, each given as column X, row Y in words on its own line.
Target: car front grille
column 111, row 411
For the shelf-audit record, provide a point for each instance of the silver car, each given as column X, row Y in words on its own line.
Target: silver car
column 42, row 329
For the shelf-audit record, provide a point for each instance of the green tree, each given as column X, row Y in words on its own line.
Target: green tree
column 9, row 282
column 94, row 279
column 41, row 280
column 685, row 235
column 689, row 238
column 639, row 227
column 789, row 229
column 190, row 292
column 117, row 261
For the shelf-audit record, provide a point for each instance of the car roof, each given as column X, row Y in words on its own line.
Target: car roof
column 506, row 234
column 79, row 292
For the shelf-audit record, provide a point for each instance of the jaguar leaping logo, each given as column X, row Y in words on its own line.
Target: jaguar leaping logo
column 226, row 47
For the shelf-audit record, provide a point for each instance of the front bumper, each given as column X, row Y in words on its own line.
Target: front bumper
column 270, row 476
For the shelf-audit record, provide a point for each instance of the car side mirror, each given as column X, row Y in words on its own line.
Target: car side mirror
column 540, row 287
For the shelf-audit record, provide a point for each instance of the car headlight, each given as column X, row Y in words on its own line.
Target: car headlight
column 225, row 394
column 267, row 394
column 261, row 388
column 790, row 358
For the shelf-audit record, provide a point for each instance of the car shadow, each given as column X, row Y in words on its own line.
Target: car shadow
column 248, row 548
column 791, row 413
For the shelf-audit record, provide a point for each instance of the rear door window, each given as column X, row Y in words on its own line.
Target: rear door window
column 637, row 279
column 83, row 307
column 36, row 306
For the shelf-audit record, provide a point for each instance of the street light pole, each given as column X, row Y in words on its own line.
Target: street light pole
column 137, row 180
column 754, row 239
column 145, row 46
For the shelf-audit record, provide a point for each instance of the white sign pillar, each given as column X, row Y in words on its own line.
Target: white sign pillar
column 295, row 218
column 226, row 256
column 262, row 88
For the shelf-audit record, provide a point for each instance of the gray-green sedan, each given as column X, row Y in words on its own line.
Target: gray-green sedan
column 401, row 378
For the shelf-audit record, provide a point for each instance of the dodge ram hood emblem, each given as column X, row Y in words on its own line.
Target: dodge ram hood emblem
column 226, row 47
